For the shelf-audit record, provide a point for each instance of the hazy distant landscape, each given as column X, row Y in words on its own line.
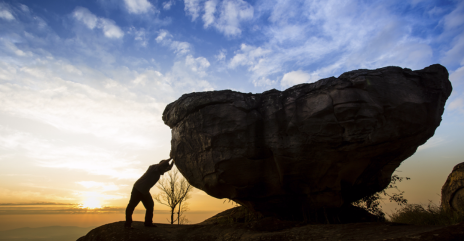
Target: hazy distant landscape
column 52, row 233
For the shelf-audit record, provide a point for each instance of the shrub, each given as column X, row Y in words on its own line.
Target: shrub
column 372, row 203
column 431, row 214
column 238, row 214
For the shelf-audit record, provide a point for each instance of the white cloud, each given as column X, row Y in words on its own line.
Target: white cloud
column 297, row 77
column 86, row 17
column 46, row 153
column 306, row 34
column 147, row 76
column 5, row 12
column 259, row 64
column 455, row 18
column 221, row 55
column 435, row 11
column 105, row 118
column 180, row 48
column 192, row 7
column 198, row 65
column 164, row 34
column 24, row 8
column 139, row 35
column 457, row 105
column 11, row 47
column 231, row 15
column 248, row 55
column 456, row 53
column 227, row 16
column 210, row 9
column 110, row 29
column 112, row 112
column 457, row 76
column 138, row 6
column 189, row 75
column 415, row 2
column 108, row 26
column 263, row 81
column 168, row 4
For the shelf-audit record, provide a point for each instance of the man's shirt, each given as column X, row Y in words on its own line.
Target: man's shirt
column 148, row 180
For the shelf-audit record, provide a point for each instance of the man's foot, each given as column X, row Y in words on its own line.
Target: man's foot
column 128, row 227
column 150, row 225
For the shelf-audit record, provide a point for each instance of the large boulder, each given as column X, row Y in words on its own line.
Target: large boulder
column 452, row 192
column 313, row 146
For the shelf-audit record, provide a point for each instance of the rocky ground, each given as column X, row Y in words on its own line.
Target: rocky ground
column 272, row 229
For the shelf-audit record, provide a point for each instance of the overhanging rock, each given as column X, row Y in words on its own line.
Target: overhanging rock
column 319, row 145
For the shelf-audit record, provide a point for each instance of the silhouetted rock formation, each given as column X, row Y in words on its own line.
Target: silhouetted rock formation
column 311, row 148
column 452, row 192
column 280, row 231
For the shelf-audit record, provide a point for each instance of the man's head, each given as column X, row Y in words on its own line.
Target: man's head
column 164, row 166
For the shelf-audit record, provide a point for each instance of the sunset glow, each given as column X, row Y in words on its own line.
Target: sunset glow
column 91, row 203
column 83, row 84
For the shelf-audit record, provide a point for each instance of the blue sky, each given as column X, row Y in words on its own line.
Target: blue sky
column 83, row 84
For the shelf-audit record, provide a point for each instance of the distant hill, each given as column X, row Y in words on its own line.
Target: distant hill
column 52, row 233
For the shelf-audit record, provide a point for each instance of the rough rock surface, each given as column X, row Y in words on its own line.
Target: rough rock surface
column 312, row 146
column 452, row 192
column 223, row 232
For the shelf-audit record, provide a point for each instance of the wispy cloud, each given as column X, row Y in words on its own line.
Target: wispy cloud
column 210, row 10
column 221, row 56
column 179, row 47
column 102, row 186
column 193, row 8
column 168, row 4
column 53, row 154
column 5, row 13
column 457, row 105
column 138, row 6
column 457, row 76
column 140, row 35
column 304, row 35
column 7, row 195
column 108, row 26
column 297, row 77
column 455, row 55
column 455, row 18
column 227, row 16
column 232, row 13
column 76, row 107
column 83, row 91
column 248, row 56
column 118, row 105
column 197, row 65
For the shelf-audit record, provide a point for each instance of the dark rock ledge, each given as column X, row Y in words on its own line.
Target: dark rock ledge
column 352, row 231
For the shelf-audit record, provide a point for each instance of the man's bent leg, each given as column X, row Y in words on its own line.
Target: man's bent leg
column 136, row 197
column 147, row 201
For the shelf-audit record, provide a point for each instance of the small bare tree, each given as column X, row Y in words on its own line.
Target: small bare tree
column 175, row 190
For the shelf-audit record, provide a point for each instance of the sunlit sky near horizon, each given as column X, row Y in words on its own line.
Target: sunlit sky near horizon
column 83, row 84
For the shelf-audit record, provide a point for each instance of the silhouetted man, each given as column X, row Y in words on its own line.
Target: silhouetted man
column 141, row 192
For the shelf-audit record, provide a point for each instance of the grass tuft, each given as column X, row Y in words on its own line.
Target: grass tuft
column 431, row 214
